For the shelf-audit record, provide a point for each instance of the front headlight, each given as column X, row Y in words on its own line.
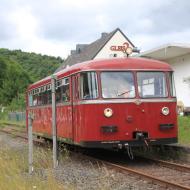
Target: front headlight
column 165, row 111
column 108, row 112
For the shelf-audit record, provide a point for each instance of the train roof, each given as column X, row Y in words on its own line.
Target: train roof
column 108, row 64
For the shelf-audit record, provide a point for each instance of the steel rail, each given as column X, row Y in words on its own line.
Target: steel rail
column 150, row 177
column 171, row 165
column 9, row 132
column 37, row 141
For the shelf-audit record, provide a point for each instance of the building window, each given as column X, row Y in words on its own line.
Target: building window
column 113, row 55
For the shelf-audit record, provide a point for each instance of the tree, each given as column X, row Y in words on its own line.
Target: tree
column 2, row 70
column 19, row 69
column 15, row 82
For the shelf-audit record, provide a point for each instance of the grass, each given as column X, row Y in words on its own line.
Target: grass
column 14, row 170
column 13, row 123
column 5, row 121
column 184, row 130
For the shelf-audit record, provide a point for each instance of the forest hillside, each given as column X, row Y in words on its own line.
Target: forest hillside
column 19, row 69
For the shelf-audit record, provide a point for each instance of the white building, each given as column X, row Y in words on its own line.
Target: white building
column 109, row 45
column 178, row 56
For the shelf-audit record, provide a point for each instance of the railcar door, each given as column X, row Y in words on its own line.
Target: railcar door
column 64, row 109
column 75, row 108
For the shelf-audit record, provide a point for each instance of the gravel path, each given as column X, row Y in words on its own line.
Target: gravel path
column 76, row 172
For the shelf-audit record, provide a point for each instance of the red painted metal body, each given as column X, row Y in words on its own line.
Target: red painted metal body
column 80, row 121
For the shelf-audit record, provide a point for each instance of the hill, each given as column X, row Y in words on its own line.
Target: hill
column 36, row 65
column 17, row 70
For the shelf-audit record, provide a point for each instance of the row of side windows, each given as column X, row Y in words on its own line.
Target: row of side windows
column 45, row 98
column 88, row 90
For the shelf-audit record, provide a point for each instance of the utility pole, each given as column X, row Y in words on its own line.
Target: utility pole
column 54, row 128
column 30, row 143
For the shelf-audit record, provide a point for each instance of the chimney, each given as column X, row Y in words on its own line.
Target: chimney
column 73, row 52
column 80, row 47
column 104, row 34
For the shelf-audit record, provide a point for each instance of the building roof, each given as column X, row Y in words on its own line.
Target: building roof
column 108, row 65
column 167, row 51
column 89, row 51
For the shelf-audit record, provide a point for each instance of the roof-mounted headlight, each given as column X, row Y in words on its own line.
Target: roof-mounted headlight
column 129, row 51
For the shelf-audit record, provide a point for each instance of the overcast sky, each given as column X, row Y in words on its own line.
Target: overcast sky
column 54, row 27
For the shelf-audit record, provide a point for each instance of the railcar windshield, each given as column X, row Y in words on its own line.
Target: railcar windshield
column 152, row 84
column 117, row 84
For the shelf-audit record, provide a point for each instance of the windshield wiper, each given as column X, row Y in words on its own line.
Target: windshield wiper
column 124, row 93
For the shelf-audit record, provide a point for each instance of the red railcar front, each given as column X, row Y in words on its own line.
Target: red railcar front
column 128, row 108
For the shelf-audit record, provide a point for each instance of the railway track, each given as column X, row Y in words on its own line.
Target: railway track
column 19, row 133
column 167, row 174
column 171, row 165
column 162, row 180
column 15, row 132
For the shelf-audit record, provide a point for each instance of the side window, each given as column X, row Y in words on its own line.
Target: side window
column 89, row 85
column 49, row 98
column 35, row 100
column 40, row 96
column 172, row 84
column 44, row 98
column 65, row 90
column 58, row 95
column 30, row 100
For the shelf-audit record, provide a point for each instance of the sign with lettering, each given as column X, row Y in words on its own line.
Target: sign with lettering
column 120, row 48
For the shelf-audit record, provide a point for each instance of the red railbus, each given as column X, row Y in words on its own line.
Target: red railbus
column 111, row 103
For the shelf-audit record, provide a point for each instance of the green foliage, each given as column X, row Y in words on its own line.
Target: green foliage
column 17, row 103
column 3, row 116
column 2, row 70
column 184, row 129
column 15, row 82
column 19, row 69
column 36, row 65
